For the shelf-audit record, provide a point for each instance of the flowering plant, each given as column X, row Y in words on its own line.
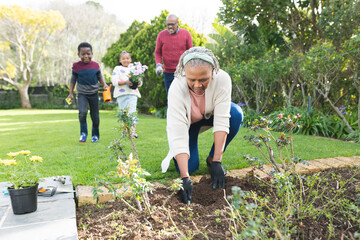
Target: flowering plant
column 137, row 71
column 20, row 169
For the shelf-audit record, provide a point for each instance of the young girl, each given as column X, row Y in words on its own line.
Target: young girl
column 125, row 96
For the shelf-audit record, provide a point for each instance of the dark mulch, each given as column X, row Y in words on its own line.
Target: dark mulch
column 205, row 218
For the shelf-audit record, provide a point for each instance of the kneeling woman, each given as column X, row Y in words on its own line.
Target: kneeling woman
column 200, row 98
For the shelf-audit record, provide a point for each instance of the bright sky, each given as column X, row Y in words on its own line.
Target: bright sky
column 198, row 14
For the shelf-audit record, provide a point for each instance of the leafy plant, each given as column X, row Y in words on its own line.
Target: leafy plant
column 263, row 137
column 250, row 115
column 133, row 179
column 315, row 123
column 20, row 169
column 129, row 172
column 127, row 128
column 354, row 136
column 161, row 112
column 291, row 199
column 129, row 175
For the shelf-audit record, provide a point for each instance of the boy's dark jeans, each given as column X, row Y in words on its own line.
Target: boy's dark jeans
column 93, row 102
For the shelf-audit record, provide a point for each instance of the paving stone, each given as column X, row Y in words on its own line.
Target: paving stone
column 196, row 179
column 64, row 229
column 4, row 199
column 264, row 172
column 4, row 211
column 106, row 196
column 55, row 217
column 331, row 162
column 46, row 211
column 304, row 168
column 84, row 195
column 159, row 185
column 238, row 173
column 350, row 161
column 321, row 165
column 103, row 197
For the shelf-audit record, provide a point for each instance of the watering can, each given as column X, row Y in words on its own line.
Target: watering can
column 107, row 94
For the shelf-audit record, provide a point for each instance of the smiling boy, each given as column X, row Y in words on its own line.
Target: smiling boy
column 87, row 74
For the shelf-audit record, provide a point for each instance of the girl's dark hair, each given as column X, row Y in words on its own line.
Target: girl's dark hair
column 84, row 45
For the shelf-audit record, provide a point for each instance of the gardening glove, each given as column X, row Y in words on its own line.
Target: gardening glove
column 159, row 69
column 217, row 173
column 186, row 191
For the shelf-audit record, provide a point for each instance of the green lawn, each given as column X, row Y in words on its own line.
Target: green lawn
column 53, row 134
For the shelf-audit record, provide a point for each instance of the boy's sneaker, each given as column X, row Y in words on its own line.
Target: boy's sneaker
column 82, row 138
column 95, row 139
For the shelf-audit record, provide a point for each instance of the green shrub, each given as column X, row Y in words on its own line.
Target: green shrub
column 315, row 123
column 161, row 112
column 354, row 136
column 249, row 116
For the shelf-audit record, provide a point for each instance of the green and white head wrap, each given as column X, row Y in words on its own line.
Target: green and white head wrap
column 198, row 55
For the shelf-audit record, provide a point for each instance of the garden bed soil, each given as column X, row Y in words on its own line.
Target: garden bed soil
column 207, row 217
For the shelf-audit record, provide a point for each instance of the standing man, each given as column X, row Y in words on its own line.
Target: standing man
column 171, row 43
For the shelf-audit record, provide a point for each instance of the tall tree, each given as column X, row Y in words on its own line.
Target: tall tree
column 273, row 21
column 339, row 19
column 352, row 49
column 100, row 33
column 257, row 80
column 227, row 45
column 24, row 36
column 111, row 58
column 323, row 67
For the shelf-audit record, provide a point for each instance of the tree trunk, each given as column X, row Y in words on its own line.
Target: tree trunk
column 356, row 84
column 339, row 114
column 359, row 111
column 257, row 97
column 24, row 95
column 303, row 92
column 286, row 96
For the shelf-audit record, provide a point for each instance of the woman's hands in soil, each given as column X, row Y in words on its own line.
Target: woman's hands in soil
column 186, row 192
column 217, row 172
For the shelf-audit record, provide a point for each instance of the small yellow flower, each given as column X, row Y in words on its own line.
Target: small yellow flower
column 36, row 159
column 123, row 172
column 8, row 162
column 24, row 152
column 132, row 162
column 12, row 154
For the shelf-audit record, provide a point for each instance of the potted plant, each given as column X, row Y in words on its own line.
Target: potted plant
column 136, row 74
column 21, row 171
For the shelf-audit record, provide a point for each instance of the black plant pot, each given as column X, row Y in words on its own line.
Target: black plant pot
column 23, row 200
column 135, row 84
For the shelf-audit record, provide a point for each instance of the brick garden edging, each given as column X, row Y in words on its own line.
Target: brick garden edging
column 85, row 196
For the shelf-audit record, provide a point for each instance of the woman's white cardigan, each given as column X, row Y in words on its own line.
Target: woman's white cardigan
column 217, row 104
